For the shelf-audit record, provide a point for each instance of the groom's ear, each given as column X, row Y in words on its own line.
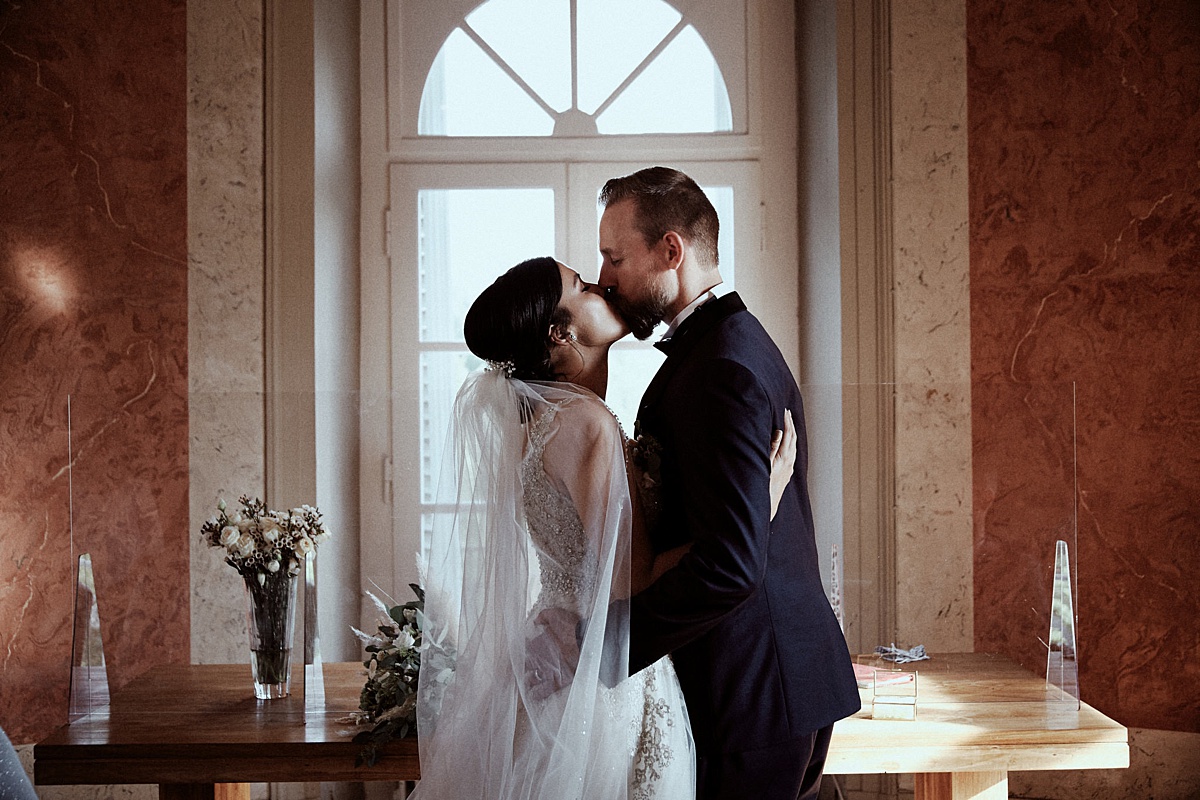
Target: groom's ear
column 672, row 247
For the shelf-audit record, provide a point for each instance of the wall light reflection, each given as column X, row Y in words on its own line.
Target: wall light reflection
column 46, row 274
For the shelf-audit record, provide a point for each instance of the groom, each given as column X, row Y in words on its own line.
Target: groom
column 761, row 659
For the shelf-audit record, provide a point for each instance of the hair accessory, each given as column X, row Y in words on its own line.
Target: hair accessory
column 507, row 367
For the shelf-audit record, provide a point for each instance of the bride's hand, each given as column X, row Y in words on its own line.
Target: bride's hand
column 552, row 653
column 783, row 460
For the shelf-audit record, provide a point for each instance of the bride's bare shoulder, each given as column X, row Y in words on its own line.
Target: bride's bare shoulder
column 588, row 416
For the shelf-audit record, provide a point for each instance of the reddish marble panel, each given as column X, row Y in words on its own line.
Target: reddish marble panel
column 93, row 305
column 1085, row 269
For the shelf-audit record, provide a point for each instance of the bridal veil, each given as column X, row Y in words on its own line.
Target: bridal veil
column 486, row 729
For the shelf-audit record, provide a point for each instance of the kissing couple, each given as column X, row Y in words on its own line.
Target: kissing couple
column 628, row 618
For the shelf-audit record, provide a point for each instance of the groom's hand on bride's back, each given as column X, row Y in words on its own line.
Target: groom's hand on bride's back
column 551, row 653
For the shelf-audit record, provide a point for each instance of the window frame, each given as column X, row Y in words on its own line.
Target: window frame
column 389, row 533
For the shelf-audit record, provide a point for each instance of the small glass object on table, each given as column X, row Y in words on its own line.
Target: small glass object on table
column 887, row 690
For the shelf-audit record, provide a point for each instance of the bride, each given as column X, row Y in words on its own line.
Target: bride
column 525, row 691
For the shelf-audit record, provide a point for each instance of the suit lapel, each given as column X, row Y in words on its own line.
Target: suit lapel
column 690, row 333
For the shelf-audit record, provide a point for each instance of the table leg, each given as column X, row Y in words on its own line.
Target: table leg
column 960, row 786
column 204, row 791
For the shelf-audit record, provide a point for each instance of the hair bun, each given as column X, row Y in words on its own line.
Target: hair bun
column 510, row 321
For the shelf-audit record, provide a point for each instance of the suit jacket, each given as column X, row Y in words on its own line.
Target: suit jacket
column 759, row 652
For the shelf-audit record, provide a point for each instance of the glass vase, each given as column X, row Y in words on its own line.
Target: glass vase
column 271, row 601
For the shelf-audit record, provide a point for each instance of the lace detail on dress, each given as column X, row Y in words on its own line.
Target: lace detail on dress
column 568, row 572
column 653, row 752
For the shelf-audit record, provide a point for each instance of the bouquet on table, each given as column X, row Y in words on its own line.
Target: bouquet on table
column 266, row 548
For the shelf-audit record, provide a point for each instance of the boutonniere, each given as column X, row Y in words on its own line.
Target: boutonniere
column 646, row 453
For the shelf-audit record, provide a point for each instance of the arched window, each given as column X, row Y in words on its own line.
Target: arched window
column 593, row 67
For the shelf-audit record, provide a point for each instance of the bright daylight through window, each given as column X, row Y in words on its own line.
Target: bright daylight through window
column 594, row 66
column 583, row 71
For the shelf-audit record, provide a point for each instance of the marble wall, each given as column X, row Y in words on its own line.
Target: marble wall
column 226, row 299
column 93, row 306
column 1085, row 335
column 930, row 295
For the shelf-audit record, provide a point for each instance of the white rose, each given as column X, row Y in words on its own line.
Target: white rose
column 245, row 544
column 221, row 504
column 304, row 545
column 273, row 565
column 405, row 640
column 229, row 535
column 271, row 532
column 262, row 579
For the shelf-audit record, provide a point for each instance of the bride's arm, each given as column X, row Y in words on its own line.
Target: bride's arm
column 647, row 567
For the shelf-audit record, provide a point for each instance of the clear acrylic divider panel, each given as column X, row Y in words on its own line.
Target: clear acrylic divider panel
column 128, row 590
column 988, row 470
column 89, row 692
column 1026, row 486
column 314, row 669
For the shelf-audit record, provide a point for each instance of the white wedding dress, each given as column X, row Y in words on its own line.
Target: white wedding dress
column 541, row 530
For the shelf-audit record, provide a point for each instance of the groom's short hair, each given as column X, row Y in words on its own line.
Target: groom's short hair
column 668, row 200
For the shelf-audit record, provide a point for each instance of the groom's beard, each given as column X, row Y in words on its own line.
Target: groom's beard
column 643, row 315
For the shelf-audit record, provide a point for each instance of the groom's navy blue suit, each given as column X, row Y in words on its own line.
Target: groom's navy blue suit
column 760, row 656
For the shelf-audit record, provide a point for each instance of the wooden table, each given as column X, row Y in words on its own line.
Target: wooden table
column 198, row 732
column 196, row 729
column 978, row 717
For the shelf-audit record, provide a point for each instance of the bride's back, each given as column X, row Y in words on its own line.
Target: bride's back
column 567, row 475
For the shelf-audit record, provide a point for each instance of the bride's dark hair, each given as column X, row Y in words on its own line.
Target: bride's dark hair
column 510, row 321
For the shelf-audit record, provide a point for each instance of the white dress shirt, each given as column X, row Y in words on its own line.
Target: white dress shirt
column 720, row 290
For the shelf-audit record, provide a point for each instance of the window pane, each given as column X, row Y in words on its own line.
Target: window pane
column 467, row 94
column 629, row 373
column 542, row 60
column 467, row 237
column 686, row 73
column 614, row 37
column 722, row 199
column 442, row 374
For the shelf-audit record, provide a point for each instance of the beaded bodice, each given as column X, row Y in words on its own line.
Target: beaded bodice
column 568, row 577
column 567, row 571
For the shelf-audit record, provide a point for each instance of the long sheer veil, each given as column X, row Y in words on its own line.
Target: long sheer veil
column 483, row 732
